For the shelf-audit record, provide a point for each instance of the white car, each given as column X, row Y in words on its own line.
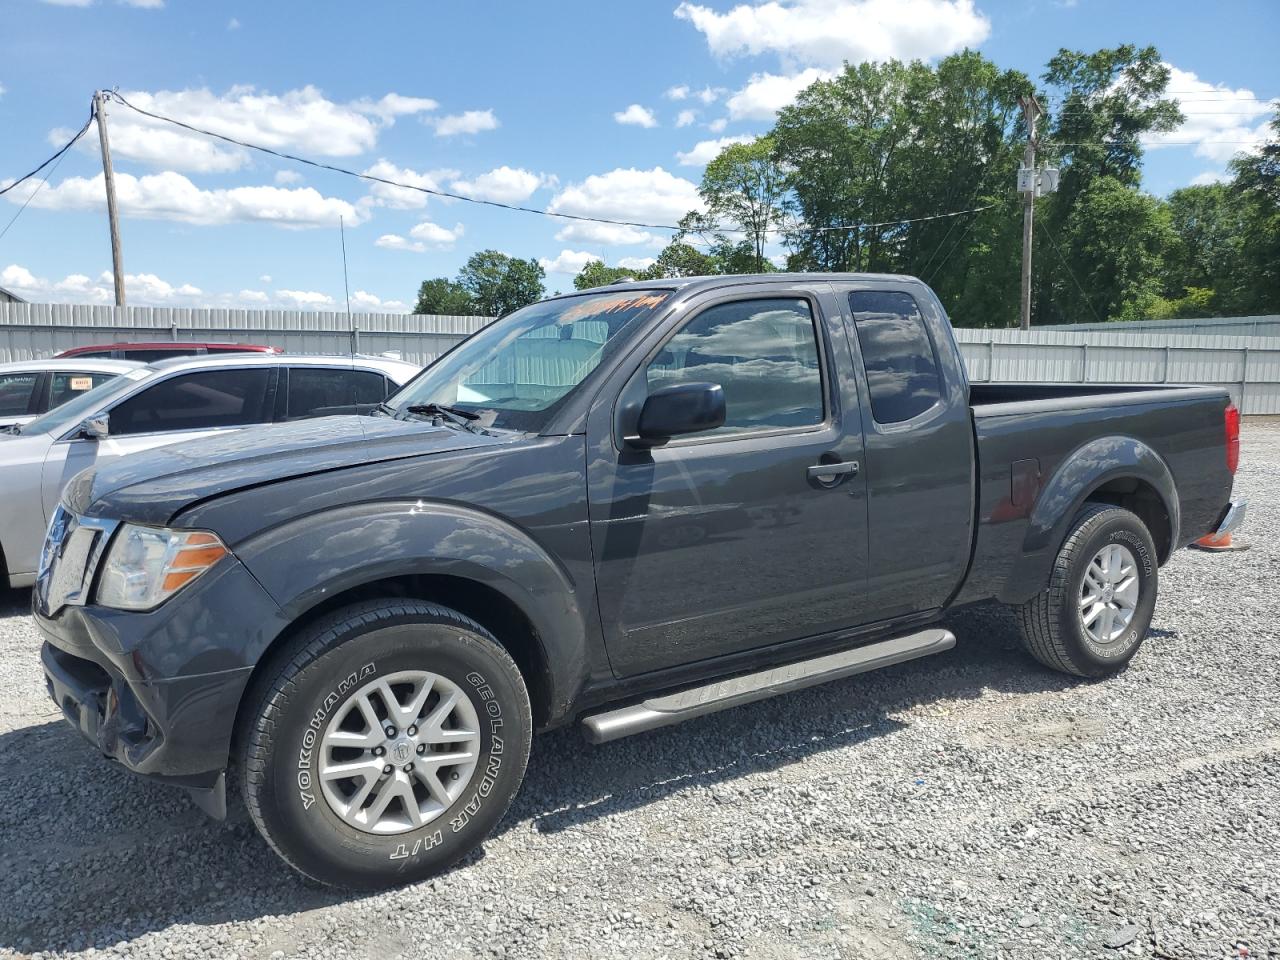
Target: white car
column 169, row 401
column 29, row 388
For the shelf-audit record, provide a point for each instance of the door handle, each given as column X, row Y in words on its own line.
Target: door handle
column 829, row 471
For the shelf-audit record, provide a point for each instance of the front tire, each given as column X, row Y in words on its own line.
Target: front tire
column 389, row 739
column 1094, row 615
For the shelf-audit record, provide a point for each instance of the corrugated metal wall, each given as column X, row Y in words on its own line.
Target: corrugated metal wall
column 1261, row 326
column 33, row 330
column 1247, row 366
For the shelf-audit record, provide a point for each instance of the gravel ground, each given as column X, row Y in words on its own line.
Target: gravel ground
column 967, row 805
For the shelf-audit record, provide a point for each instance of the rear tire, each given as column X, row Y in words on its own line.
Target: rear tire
column 1094, row 615
column 424, row 709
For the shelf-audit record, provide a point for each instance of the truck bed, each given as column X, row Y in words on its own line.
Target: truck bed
column 1031, row 437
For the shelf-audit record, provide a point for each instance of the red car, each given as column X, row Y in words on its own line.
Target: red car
column 146, row 352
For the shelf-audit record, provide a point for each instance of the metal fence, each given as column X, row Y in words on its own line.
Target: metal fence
column 34, row 330
column 1247, row 366
column 1263, row 326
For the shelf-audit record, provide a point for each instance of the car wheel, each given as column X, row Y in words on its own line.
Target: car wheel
column 1094, row 615
column 384, row 743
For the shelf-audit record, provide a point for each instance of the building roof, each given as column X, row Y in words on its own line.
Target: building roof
column 10, row 295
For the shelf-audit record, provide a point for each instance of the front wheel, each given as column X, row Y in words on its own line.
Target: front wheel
column 1093, row 617
column 388, row 742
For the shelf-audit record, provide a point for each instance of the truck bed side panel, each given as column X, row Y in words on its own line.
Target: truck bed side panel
column 1065, row 438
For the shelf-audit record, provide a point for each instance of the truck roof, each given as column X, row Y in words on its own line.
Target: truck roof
column 691, row 284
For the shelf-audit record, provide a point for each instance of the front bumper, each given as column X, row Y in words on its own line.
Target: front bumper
column 158, row 691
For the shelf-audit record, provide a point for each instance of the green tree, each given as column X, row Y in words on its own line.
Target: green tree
column 596, row 274
column 680, row 259
column 745, row 186
column 444, row 297
column 499, row 284
column 1257, row 186
column 1107, row 101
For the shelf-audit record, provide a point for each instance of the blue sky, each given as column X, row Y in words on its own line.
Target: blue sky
column 597, row 108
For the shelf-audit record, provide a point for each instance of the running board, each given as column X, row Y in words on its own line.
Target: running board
column 663, row 711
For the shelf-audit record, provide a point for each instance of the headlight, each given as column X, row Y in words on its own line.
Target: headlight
column 147, row 565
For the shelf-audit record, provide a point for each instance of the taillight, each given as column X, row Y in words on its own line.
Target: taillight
column 1232, row 418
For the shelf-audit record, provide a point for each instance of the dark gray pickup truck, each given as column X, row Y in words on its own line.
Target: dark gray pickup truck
column 625, row 508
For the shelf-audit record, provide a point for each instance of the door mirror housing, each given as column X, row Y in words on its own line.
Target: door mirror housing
column 95, row 427
column 680, row 408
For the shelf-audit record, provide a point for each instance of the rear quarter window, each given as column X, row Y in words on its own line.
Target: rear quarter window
column 901, row 365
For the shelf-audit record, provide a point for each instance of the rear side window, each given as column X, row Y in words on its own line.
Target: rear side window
column 763, row 353
column 66, row 386
column 902, row 368
column 196, row 401
column 319, row 392
column 15, row 393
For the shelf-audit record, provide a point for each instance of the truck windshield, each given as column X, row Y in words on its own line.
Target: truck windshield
column 518, row 371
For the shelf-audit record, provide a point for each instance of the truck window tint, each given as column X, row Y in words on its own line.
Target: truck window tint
column 66, row 386
column 163, row 353
column 196, row 401
column 763, row 353
column 902, row 368
column 318, row 392
column 15, row 393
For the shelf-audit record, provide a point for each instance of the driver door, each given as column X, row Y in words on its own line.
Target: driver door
column 723, row 541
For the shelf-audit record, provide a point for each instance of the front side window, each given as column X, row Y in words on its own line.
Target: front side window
column 764, row 355
column 66, row 386
column 319, row 392
column 902, row 368
column 204, row 400
column 519, row 371
column 15, row 393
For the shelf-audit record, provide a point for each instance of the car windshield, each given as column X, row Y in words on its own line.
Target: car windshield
column 61, row 419
column 516, row 373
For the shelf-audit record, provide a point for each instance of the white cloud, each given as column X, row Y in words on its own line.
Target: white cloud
column 636, row 116
column 1221, row 121
column 636, row 263
column 265, row 278
column 653, row 196
column 398, row 197
column 305, row 298
column 364, row 302
column 285, row 177
column 253, row 296
column 710, row 95
column 2, row 89
column 145, row 4
column 426, row 236
column 503, row 184
column 611, row 234
column 303, row 120
column 70, row 3
column 828, row 32
column 680, row 92
column 1208, row 178
column 717, row 125
column 472, row 121
column 233, row 24
column 568, row 261
column 686, row 117
column 171, row 196
column 705, row 151
column 767, row 93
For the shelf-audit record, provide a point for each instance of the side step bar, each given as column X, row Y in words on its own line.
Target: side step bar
column 673, row 708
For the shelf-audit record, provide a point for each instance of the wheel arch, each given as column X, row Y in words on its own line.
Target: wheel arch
column 1119, row 470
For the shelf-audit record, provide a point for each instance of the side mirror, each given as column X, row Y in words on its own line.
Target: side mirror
column 681, row 408
column 95, row 428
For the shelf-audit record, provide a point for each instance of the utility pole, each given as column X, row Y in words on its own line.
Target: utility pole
column 1027, row 184
column 108, row 175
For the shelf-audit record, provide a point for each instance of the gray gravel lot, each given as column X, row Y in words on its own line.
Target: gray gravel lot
column 968, row 805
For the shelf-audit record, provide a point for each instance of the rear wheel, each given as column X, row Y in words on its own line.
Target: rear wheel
column 1093, row 617
column 387, row 743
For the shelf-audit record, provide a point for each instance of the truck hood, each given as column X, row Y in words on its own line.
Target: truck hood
column 151, row 487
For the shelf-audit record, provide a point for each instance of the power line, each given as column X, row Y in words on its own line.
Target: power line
column 57, row 156
column 32, row 195
column 507, row 206
column 1071, row 273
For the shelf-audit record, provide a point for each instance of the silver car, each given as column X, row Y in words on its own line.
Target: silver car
column 29, row 388
column 169, row 401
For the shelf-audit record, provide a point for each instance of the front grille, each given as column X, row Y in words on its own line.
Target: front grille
column 68, row 560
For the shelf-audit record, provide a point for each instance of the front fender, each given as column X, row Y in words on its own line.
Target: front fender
column 306, row 561
column 1082, row 472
